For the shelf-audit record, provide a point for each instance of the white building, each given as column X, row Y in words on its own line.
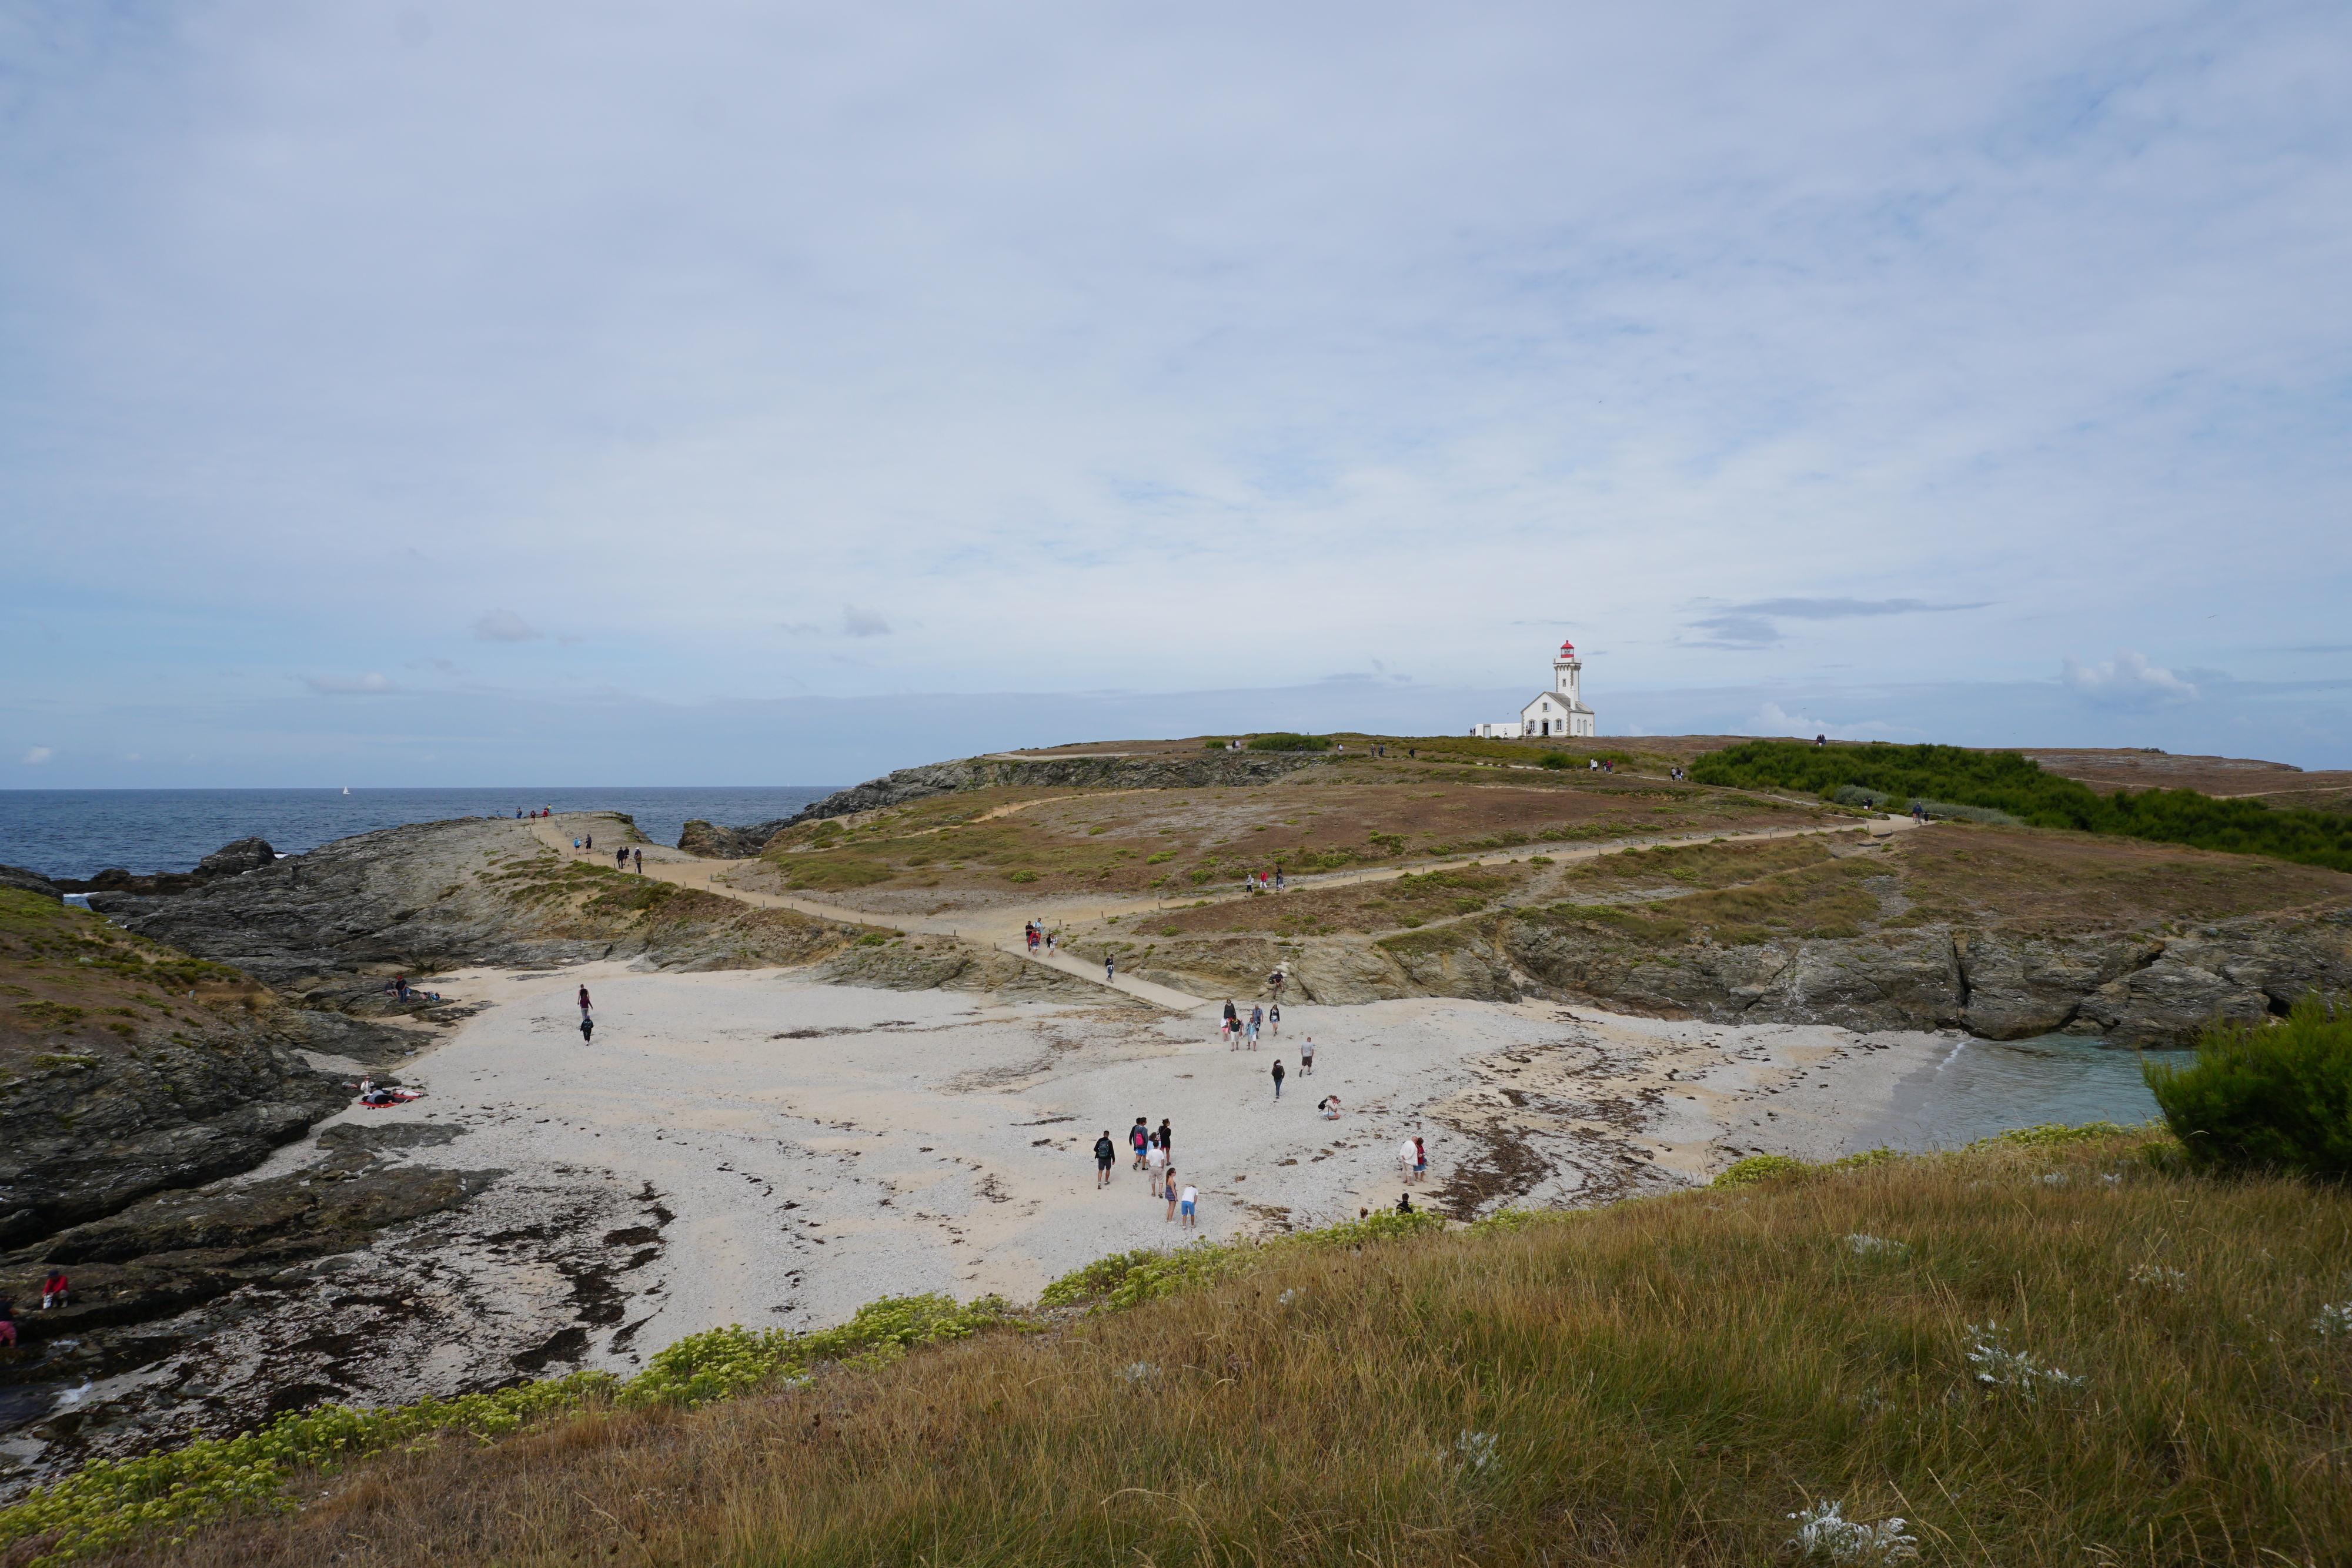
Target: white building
column 1559, row 711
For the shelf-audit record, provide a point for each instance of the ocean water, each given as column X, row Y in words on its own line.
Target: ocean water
column 1987, row 1086
column 78, row 832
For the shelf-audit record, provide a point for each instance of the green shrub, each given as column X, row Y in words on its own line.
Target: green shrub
column 1756, row 1168
column 1023, row 875
column 1287, row 742
column 2266, row 1096
column 2014, row 787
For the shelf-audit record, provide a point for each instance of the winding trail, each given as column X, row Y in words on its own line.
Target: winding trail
column 1002, row 930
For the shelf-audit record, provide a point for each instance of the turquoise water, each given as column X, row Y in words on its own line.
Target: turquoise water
column 1982, row 1086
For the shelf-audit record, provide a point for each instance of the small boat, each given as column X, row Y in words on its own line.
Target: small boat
column 347, row 789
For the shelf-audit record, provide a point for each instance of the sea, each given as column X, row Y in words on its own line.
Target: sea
column 79, row 833
column 1985, row 1086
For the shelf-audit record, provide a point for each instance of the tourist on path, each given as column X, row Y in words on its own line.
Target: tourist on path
column 1169, row 1192
column 1139, row 1137
column 1278, row 1078
column 641, row 862
column 1273, row 1020
column 583, row 998
column 1167, row 1136
column 1105, row 1153
column 1155, row 1160
column 1111, row 968
column 587, row 1027
column 1232, row 1016
column 1306, row 1057
column 1188, row 1206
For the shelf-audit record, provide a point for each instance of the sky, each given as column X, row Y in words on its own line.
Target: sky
column 413, row 393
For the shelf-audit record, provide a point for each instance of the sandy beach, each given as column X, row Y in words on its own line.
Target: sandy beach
column 786, row 1150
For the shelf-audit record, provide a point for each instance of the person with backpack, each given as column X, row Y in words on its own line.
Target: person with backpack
column 1278, row 1078
column 1138, row 1138
column 587, row 1028
column 1105, row 1153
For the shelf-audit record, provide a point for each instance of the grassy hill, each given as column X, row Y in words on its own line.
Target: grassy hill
column 2048, row 1351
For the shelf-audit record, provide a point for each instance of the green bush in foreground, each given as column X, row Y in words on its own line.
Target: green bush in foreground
column 2266, row 1096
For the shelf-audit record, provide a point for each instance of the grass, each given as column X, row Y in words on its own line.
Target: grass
column 2040, row 1352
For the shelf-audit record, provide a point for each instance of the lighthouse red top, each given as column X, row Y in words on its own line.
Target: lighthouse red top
column 1567, row 647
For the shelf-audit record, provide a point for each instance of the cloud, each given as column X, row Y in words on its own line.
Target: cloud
column 1751, row 625
column 39, row 755
column 2128, row 681
column 859, row 623
column 504, row 626
column 368, row 686
column 1773, row 719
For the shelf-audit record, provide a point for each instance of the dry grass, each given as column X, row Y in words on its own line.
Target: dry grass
column 2044, row 879
column 969, row 849
column 1658, row 1382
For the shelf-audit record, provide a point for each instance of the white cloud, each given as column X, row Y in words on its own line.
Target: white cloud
column 504, row 626
column 1771, row 719
column 2128, row 681
column 39, row 755
column 370, row 685
column 859, row 623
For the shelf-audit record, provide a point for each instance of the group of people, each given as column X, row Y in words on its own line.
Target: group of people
column 1037, row 936
column 1154, row 1149
column 620, row 859
column 376, row 1096
column 56, row 1290
column 543, row 811
column 398, row 985
column 587, row 1019
column 1232, row 1028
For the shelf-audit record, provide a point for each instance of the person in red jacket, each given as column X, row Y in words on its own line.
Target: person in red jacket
column 56, row 1290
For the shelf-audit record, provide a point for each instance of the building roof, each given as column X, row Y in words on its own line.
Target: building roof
column 1567, row 704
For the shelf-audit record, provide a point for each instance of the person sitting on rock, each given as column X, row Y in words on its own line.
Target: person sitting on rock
column 56, row 1290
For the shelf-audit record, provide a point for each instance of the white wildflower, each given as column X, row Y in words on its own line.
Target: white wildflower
column 2335, row 1321
column 1824, row 1533
column 2158, row 1277
column 1138, row 1371
column 1475, row 1449
column 2056, row 1179
column 1998, row 1366
column 1289, row 1296
column 1877, row 1246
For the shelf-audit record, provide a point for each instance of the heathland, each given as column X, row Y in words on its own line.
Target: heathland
column 825, row 1070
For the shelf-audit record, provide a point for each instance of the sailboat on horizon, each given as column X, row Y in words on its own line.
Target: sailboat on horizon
column 347, row 789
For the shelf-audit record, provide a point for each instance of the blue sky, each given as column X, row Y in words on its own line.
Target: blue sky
column 416, row 393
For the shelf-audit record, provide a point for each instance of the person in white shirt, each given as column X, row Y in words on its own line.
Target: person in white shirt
column 1155, row 1161
column 1408, row 1156
column 1189, row 1206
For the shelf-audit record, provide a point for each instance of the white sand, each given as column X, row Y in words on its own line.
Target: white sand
column 930, row 1141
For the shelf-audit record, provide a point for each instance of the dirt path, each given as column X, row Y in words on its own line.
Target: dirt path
column 1004, row 930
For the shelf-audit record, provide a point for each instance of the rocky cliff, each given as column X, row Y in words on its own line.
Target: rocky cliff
column 1225, row 768
column 328, row 926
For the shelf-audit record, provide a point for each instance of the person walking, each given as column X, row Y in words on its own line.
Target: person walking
column 587, row 1028
column 1049, row 943
column 1188, row 1206
column 1138, row 1138
column 1307, row 1058
column 1105, row 1153
column 583, row 1001
column 1257, row 1019
column 1155, row 1162
column 1278, row 1078
column 1273, row 1020
column 1167, row 1136
column 641, row 862
column 1168, row 1191
column 1110, row 969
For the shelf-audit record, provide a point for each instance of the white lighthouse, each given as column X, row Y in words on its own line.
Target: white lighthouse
column 1557, row 712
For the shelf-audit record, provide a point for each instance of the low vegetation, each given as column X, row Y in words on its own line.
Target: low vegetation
column 2016, row 787
column 2056, row 1349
